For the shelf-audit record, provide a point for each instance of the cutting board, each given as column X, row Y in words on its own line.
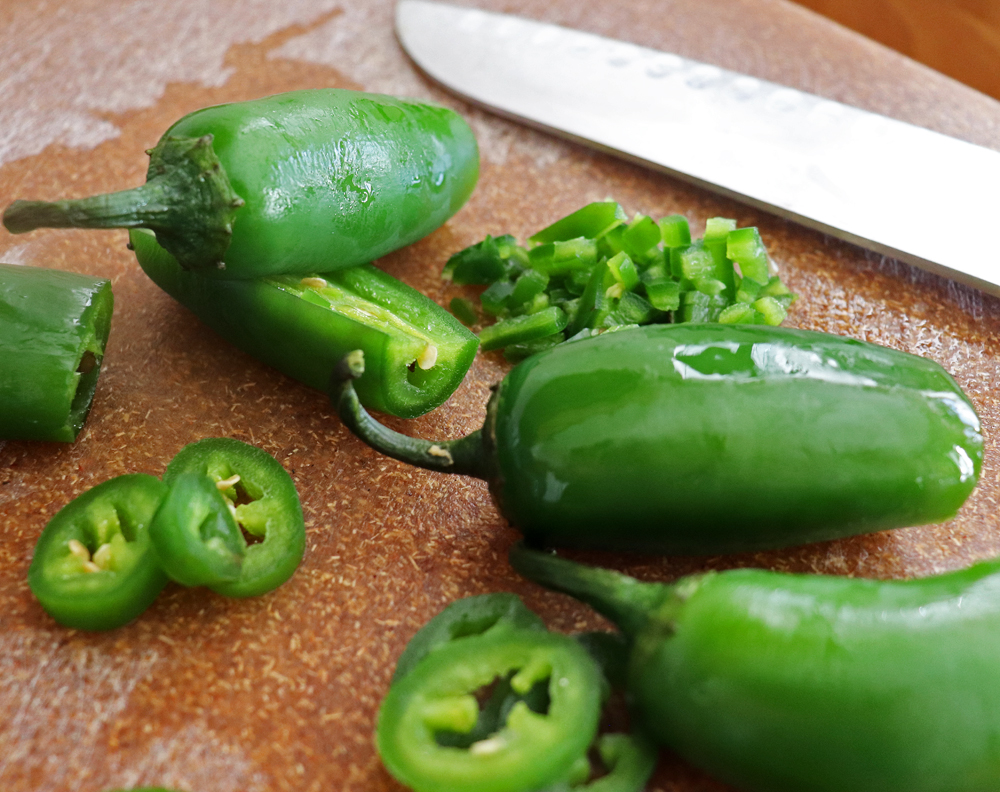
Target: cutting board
column 206, row 694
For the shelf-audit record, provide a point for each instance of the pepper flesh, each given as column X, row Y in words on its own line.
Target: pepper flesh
column 302, row 326
column 195, row 535
column 54, row 327
column 530, row 750
column 275, row 184
column 807, row 683
column 94, row 566
column 266, row 504
column 710, row 439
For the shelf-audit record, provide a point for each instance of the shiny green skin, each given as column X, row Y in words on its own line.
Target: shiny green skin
column 267, row 506
column 333, row 175
column 713, row 439
column 49, row 322
column 290, row 327
column 803, row 683
column 194, row 534
column 116, row 512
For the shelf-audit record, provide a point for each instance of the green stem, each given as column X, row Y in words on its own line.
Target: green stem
column 464, row 455
column 623, row 599
column 187, row 200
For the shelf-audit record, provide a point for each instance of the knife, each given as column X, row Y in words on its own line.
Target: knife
column 903, row 191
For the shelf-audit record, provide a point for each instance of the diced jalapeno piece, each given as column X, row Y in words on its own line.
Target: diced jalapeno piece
column 718, row 228
column 772, row 311
column 675, row 231
column 746, row 248
column 519, row 329
column 664, row 294
column 624, row 271
column 559, row 258
column 641, row 237
column 496, row 299
column 592, row 221
column 739, row 313
column 693, row 262
column 529, row 283
column 463, row 310
column 481, row 263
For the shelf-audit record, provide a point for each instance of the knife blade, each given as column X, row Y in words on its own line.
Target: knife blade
column 901, row 190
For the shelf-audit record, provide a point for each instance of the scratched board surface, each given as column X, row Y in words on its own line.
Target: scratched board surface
column 206, row 694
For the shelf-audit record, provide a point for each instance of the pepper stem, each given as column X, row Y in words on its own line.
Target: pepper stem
column 187, row 200
column 464, row 455
column 623, row 599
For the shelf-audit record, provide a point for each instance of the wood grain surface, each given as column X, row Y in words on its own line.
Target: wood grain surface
column 206, row 694
column 960, row 38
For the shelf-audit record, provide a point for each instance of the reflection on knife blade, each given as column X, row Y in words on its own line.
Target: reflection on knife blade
column 895, row 188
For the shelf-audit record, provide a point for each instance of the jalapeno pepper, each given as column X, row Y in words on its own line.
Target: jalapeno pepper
column 194, row 532
column 462, row 618
column 265, row 503
column 274, row 185
column 531, row 749
column 419, row 352
column 94, row 566
column 811, row 683
column 709, row 439
column 53, row 329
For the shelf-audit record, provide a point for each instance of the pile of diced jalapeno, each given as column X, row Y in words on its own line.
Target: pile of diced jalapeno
column 596, row 270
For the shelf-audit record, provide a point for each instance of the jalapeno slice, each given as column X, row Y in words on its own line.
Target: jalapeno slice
column 94, row 566
column 434, row 703
column 266, row 506
column 195, row 534
column 463, row 618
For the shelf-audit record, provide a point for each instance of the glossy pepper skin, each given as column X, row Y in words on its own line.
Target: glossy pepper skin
column 272, row 185
column 713, row 439
column 54, row 327
column 302, row 326
column 805, row 683
column 195, row 534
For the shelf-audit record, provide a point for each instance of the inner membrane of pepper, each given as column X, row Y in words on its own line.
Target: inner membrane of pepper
column 107, row 536
column 410, row 343
column 495, row 702
column 250, row 509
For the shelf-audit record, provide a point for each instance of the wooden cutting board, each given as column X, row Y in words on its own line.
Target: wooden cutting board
column 280, row 692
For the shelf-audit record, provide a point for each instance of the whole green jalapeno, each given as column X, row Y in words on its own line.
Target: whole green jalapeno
column 272, row 185
column 709, row 439
column 774, row 682
column 302, row 326
column 54, row 327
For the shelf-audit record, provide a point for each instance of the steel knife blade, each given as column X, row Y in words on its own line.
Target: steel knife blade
column 898, row 189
